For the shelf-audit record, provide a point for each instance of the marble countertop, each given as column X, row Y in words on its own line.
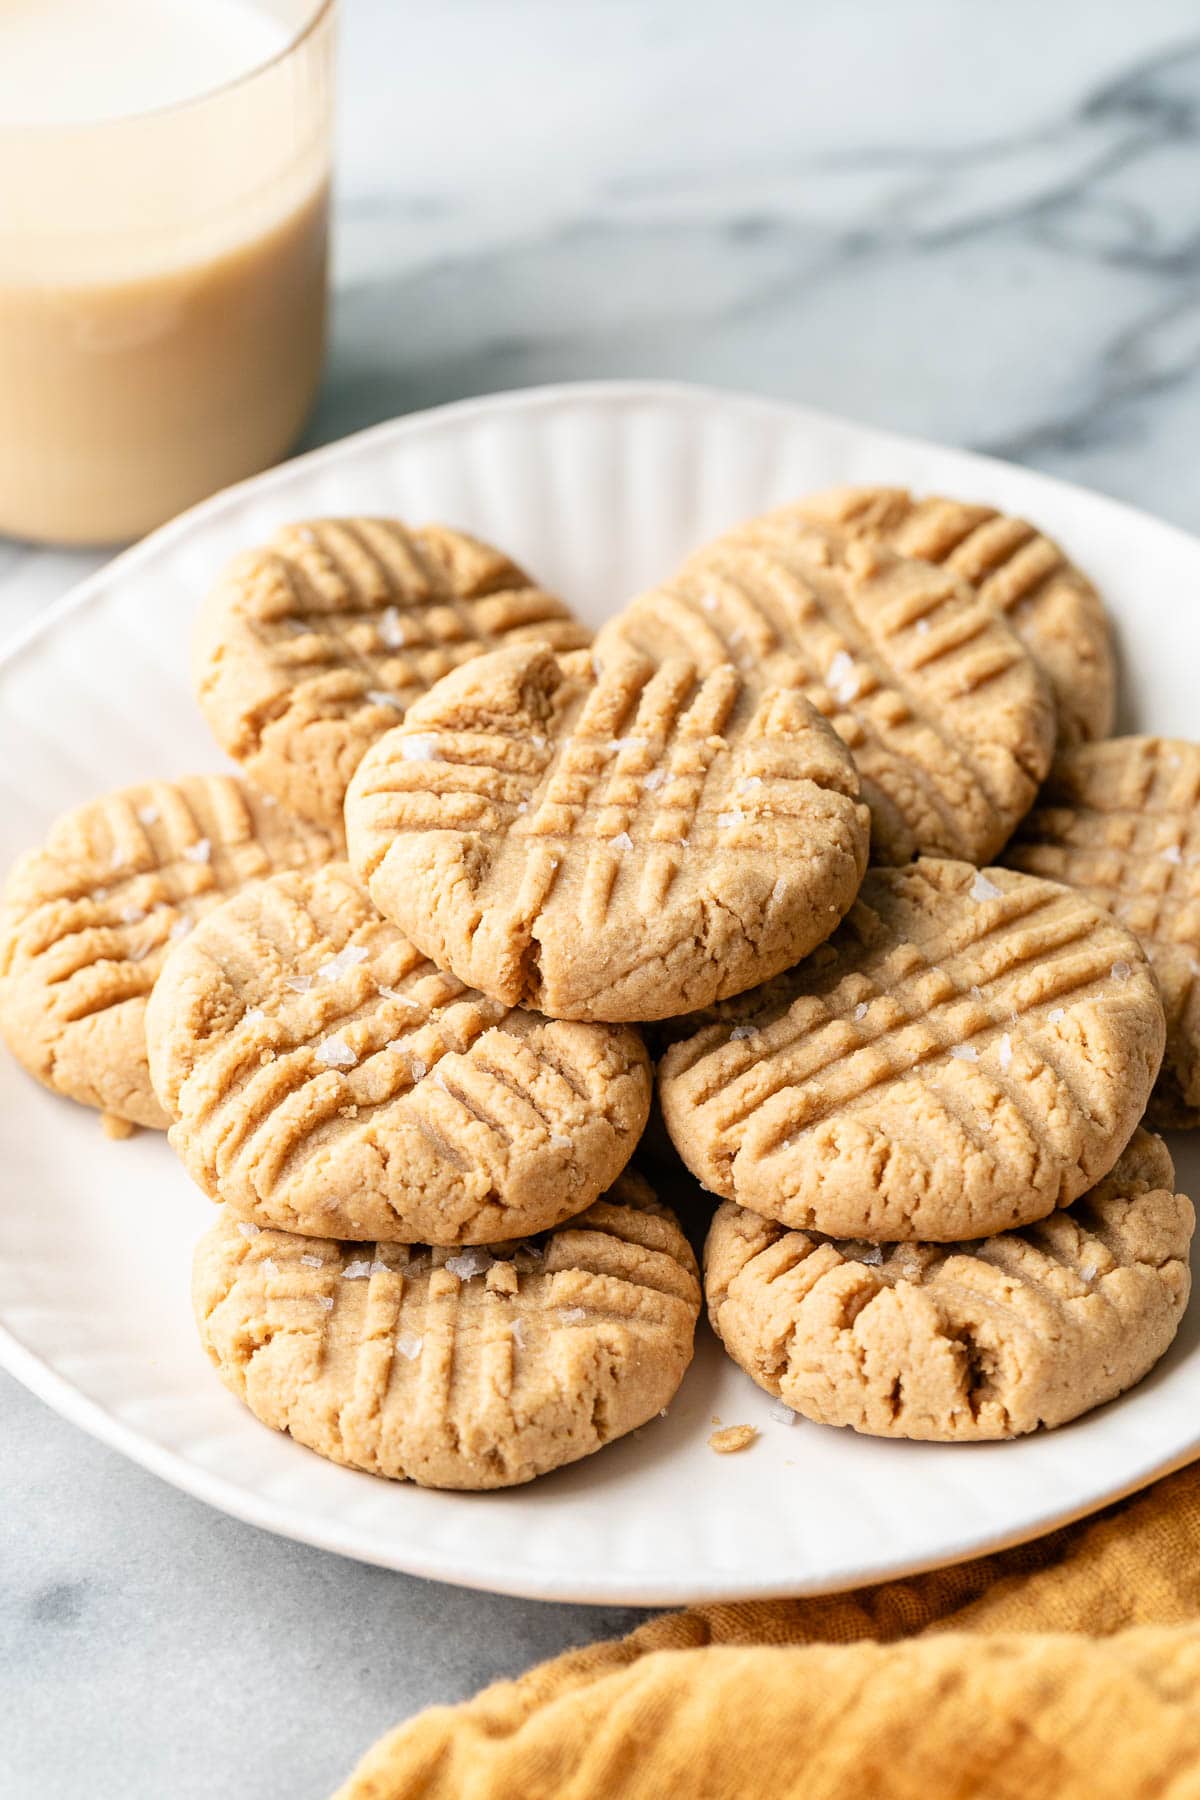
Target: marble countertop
column 979, row 224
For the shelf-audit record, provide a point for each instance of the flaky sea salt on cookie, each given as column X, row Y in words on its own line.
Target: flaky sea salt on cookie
column 480, row 1368
column 960, row 1341
column 609, row 840
column 88, row 918
column 314, row 645
column 1120, row 821
column 971, row 1050
column 950, row 722
column 1050, row 604
column 325, row 1078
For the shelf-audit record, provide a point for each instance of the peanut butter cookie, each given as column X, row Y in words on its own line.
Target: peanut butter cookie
column 327, row 1079
column 479, row 1369
column 621, row 841
column 1120, row 821
column 1050, row 604
column 961, row 1341
column 950, row 722
column 315, row 645
column 971, row 1050
column 88, row 919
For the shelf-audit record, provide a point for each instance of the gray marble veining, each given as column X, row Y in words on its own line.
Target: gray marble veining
column 980, row 224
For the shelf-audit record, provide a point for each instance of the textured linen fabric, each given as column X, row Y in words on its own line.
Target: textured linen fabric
column 1070, row 1666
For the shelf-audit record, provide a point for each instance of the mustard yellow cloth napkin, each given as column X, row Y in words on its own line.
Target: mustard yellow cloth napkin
column 1069, row 1667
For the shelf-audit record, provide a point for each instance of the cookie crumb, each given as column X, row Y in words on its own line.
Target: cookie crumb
column 732, row 1439
column 116, row 1128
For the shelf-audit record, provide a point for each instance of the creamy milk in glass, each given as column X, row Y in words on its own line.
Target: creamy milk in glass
column 163, row 223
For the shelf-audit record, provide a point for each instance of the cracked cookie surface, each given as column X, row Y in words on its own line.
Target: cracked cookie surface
column 1120, row 821
column 620, row 842
column 950, row 722
column 89, row 917
column 326, row 1078
column 479, row 1369
column 957, row 1342
column 312, row 646
column 1050, row 604
column 971, row 1050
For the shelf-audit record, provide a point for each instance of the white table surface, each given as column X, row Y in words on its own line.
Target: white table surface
column 979, row 224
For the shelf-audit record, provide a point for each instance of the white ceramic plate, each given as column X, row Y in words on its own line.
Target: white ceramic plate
column 599, row 490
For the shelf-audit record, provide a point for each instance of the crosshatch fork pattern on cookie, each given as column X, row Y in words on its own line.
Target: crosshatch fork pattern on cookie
column 961, row 1341
column 327, row 1078
column 1120, row 822
column 312, row 646
column 959, row 1059
column 91, row 915
column 473, row 1368
column 950, row 725
column 1050, row 604
column 648, row 807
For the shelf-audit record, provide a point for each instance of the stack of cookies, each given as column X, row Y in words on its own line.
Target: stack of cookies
column 392, row 988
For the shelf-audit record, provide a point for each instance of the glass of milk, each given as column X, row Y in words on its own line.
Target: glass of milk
column 164, row 190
